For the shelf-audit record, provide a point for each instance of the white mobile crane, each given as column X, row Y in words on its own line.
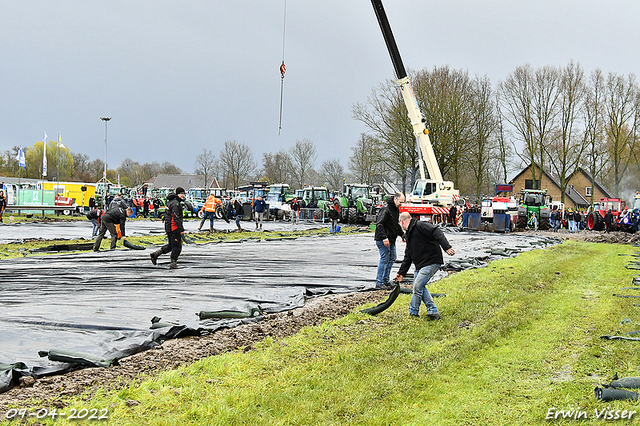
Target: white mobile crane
column 430, row 198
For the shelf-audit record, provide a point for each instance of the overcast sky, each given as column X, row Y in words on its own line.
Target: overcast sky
column 180, row 76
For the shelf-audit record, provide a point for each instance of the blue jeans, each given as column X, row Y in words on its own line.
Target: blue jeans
column 96, row 227
column 387, row 257
column 238, row 219
column 333, row 226
column 210, row 215
column 420, row 292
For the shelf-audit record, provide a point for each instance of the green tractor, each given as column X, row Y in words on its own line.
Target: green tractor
column 356, row 204
column 534, row 211
column 317, row 200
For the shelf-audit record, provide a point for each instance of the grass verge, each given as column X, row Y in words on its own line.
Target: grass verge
column 518, row 340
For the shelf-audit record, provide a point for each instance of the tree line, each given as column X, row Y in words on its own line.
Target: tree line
column 557, row 117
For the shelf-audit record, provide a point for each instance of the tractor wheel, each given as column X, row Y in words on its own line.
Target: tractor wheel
column 544, row 224
column 353, row 215
column 201, row 213
column 522, row 222
column 280, row 214
column 219, row 212
column 595, row 222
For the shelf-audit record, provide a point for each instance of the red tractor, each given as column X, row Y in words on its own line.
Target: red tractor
column 595, row 218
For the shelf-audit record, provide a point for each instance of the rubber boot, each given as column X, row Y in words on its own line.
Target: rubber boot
column 173, row 264
column 200, row 227
column 239, row 229
column 256, row 225
column 261, row 226
column 154, row 256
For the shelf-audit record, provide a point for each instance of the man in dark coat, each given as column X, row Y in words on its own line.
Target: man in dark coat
column 3, row 204
column 608, row 220
column 173, row 227
column 424, row 241
column 387, row 231
column 453, row 215
column 109, row 220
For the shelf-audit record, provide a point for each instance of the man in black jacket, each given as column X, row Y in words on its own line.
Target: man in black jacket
column 173, row 227
column 387, row 230
column 423, row 249
column 109, row 220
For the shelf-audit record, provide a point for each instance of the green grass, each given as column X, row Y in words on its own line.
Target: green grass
column 516, row 339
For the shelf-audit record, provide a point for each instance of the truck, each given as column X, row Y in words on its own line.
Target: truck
column 278, row 199
column 430, row 198
column 356, row 204
column 534, row 202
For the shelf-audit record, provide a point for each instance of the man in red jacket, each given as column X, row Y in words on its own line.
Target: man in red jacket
column 173, row 227
column 424, row 241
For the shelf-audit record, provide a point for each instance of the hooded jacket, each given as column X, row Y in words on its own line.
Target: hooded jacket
column 387, row 225
column 424, row 241
column 115, row 216
column 173, row 214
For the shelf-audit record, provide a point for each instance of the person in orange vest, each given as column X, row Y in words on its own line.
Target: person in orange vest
column 209, row 212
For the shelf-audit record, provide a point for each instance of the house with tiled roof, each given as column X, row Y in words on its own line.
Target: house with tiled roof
column 579, row 185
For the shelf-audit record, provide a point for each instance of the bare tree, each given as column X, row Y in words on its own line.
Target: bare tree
column 236, row 163
column 275, row 167
column 565, row 151
column 386, row 115
column 482, row 141
column 365, row 163
column 333, row 173
column 621, row 123
column 530, row 102
column 303, row 159
column 445, row 98
column 596, row 152
column 205, row 164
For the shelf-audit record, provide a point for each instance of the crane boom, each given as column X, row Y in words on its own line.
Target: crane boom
column 415, row 115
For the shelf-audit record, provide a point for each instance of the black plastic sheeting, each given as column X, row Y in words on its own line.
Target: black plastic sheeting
column 102, row 304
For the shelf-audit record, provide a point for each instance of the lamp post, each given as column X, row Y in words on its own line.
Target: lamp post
column 104, row 176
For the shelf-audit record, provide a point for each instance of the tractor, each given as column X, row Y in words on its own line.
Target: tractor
column 317, row 199
column 595, row 218
column 534, row 204
column 356, row 204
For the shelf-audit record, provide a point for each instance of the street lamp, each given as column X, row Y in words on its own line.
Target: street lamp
column 104, row 176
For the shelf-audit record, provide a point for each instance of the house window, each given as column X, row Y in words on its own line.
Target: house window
column 588, row 191
column 531, row 184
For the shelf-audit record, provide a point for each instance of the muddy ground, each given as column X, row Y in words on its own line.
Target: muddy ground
column 51, row 391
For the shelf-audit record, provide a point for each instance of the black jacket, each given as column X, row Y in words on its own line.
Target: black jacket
column 115, row 216
column 95, row 214
column 239, row 208
column 387, row 225
column 334, row 214
column 423, row 245
column 608, row 217
column 173, row 214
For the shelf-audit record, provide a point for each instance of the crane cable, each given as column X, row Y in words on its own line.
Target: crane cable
column 282, row 66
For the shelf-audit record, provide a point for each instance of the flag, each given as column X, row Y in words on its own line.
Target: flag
column 21, row 160
column 60, row 144
column 44, row 155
